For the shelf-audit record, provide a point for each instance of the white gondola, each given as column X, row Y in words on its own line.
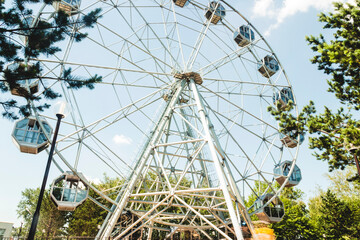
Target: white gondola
column 268, row 66
column 215, row 12
column 68, row 191
column 70, row 7
column 290, row 141
column 24, row 85
column 244, row 35
column 28, row 136
column 181, row 3
column 271, row 213
column 283, row 96
column 282, row 173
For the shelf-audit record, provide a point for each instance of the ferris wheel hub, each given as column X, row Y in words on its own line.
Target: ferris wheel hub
column 190, row 75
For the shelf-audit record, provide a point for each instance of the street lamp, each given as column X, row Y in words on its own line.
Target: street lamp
column 61, row 110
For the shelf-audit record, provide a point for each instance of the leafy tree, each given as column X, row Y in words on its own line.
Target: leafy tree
column 83, row 221
column 51, row 222
column 86, row 218
column 333, row 218
column 296, row 222
column 41, row 39
column 338, row 131
column 348, row 193
column 334, row 134
column 339, row 184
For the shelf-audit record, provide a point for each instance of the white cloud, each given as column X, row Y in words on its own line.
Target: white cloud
column 264, row 8
column 122, row 139
column 95, row 181
column 288, row 8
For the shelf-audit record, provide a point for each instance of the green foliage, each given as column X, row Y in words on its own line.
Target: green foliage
column 344, row 189
column 339, row 58
column 41, row 39
column 86, row 218
column 83, row 221
column 296, row 222
column 334, row 218
column 51, row 222
column 261, row 188
column 334, row 134
column 334, row 214
column 289, row 124
column 338, row 132
column 341, row 202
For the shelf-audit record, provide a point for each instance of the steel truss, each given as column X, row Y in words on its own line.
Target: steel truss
column 182, row 179
column 212, row 143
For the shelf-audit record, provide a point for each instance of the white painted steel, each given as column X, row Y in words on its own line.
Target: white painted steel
column 224, row 152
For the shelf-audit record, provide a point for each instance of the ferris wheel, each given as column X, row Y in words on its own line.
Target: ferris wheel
column 180, row 117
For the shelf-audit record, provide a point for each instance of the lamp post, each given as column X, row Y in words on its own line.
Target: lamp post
column 60, row 114
column 357, row 163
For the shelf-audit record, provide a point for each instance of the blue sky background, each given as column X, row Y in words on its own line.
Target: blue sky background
column 284, row 23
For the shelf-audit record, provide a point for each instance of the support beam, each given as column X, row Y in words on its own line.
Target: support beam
column 217, row 163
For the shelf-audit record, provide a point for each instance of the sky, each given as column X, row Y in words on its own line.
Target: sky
column 284, row 23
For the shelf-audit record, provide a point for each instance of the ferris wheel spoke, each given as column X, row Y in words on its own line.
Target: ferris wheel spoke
column 249, row 159
column 178, row 34
column 114, row 168
column 183, row 44
column 274, row 160
column 143, row 49
column 197, row 46
column 121, row 113
column 102, row 146
column 66, row 91
column 278, row 86
column 229, row 57
column 241, row 109
column 101, row 67
column 153, row 32
column 129, row 61
column 165, row 24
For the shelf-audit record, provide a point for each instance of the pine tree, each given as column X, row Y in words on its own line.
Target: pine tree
column 334, row 134
column 296, row 222
column 334, row 217
column 40, row 39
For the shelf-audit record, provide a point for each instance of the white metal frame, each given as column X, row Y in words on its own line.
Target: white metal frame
column 205, row 120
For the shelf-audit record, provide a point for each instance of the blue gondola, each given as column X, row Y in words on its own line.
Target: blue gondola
column 181, row 3
column 283, row 96
column 282, row 173
column 215, row 12
column 271, row 213
column 70, row 7
column 23, row 85
column 28, row 136
column 68, row 191
column 244, row 35
column 268, row 66
column 290, row 140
